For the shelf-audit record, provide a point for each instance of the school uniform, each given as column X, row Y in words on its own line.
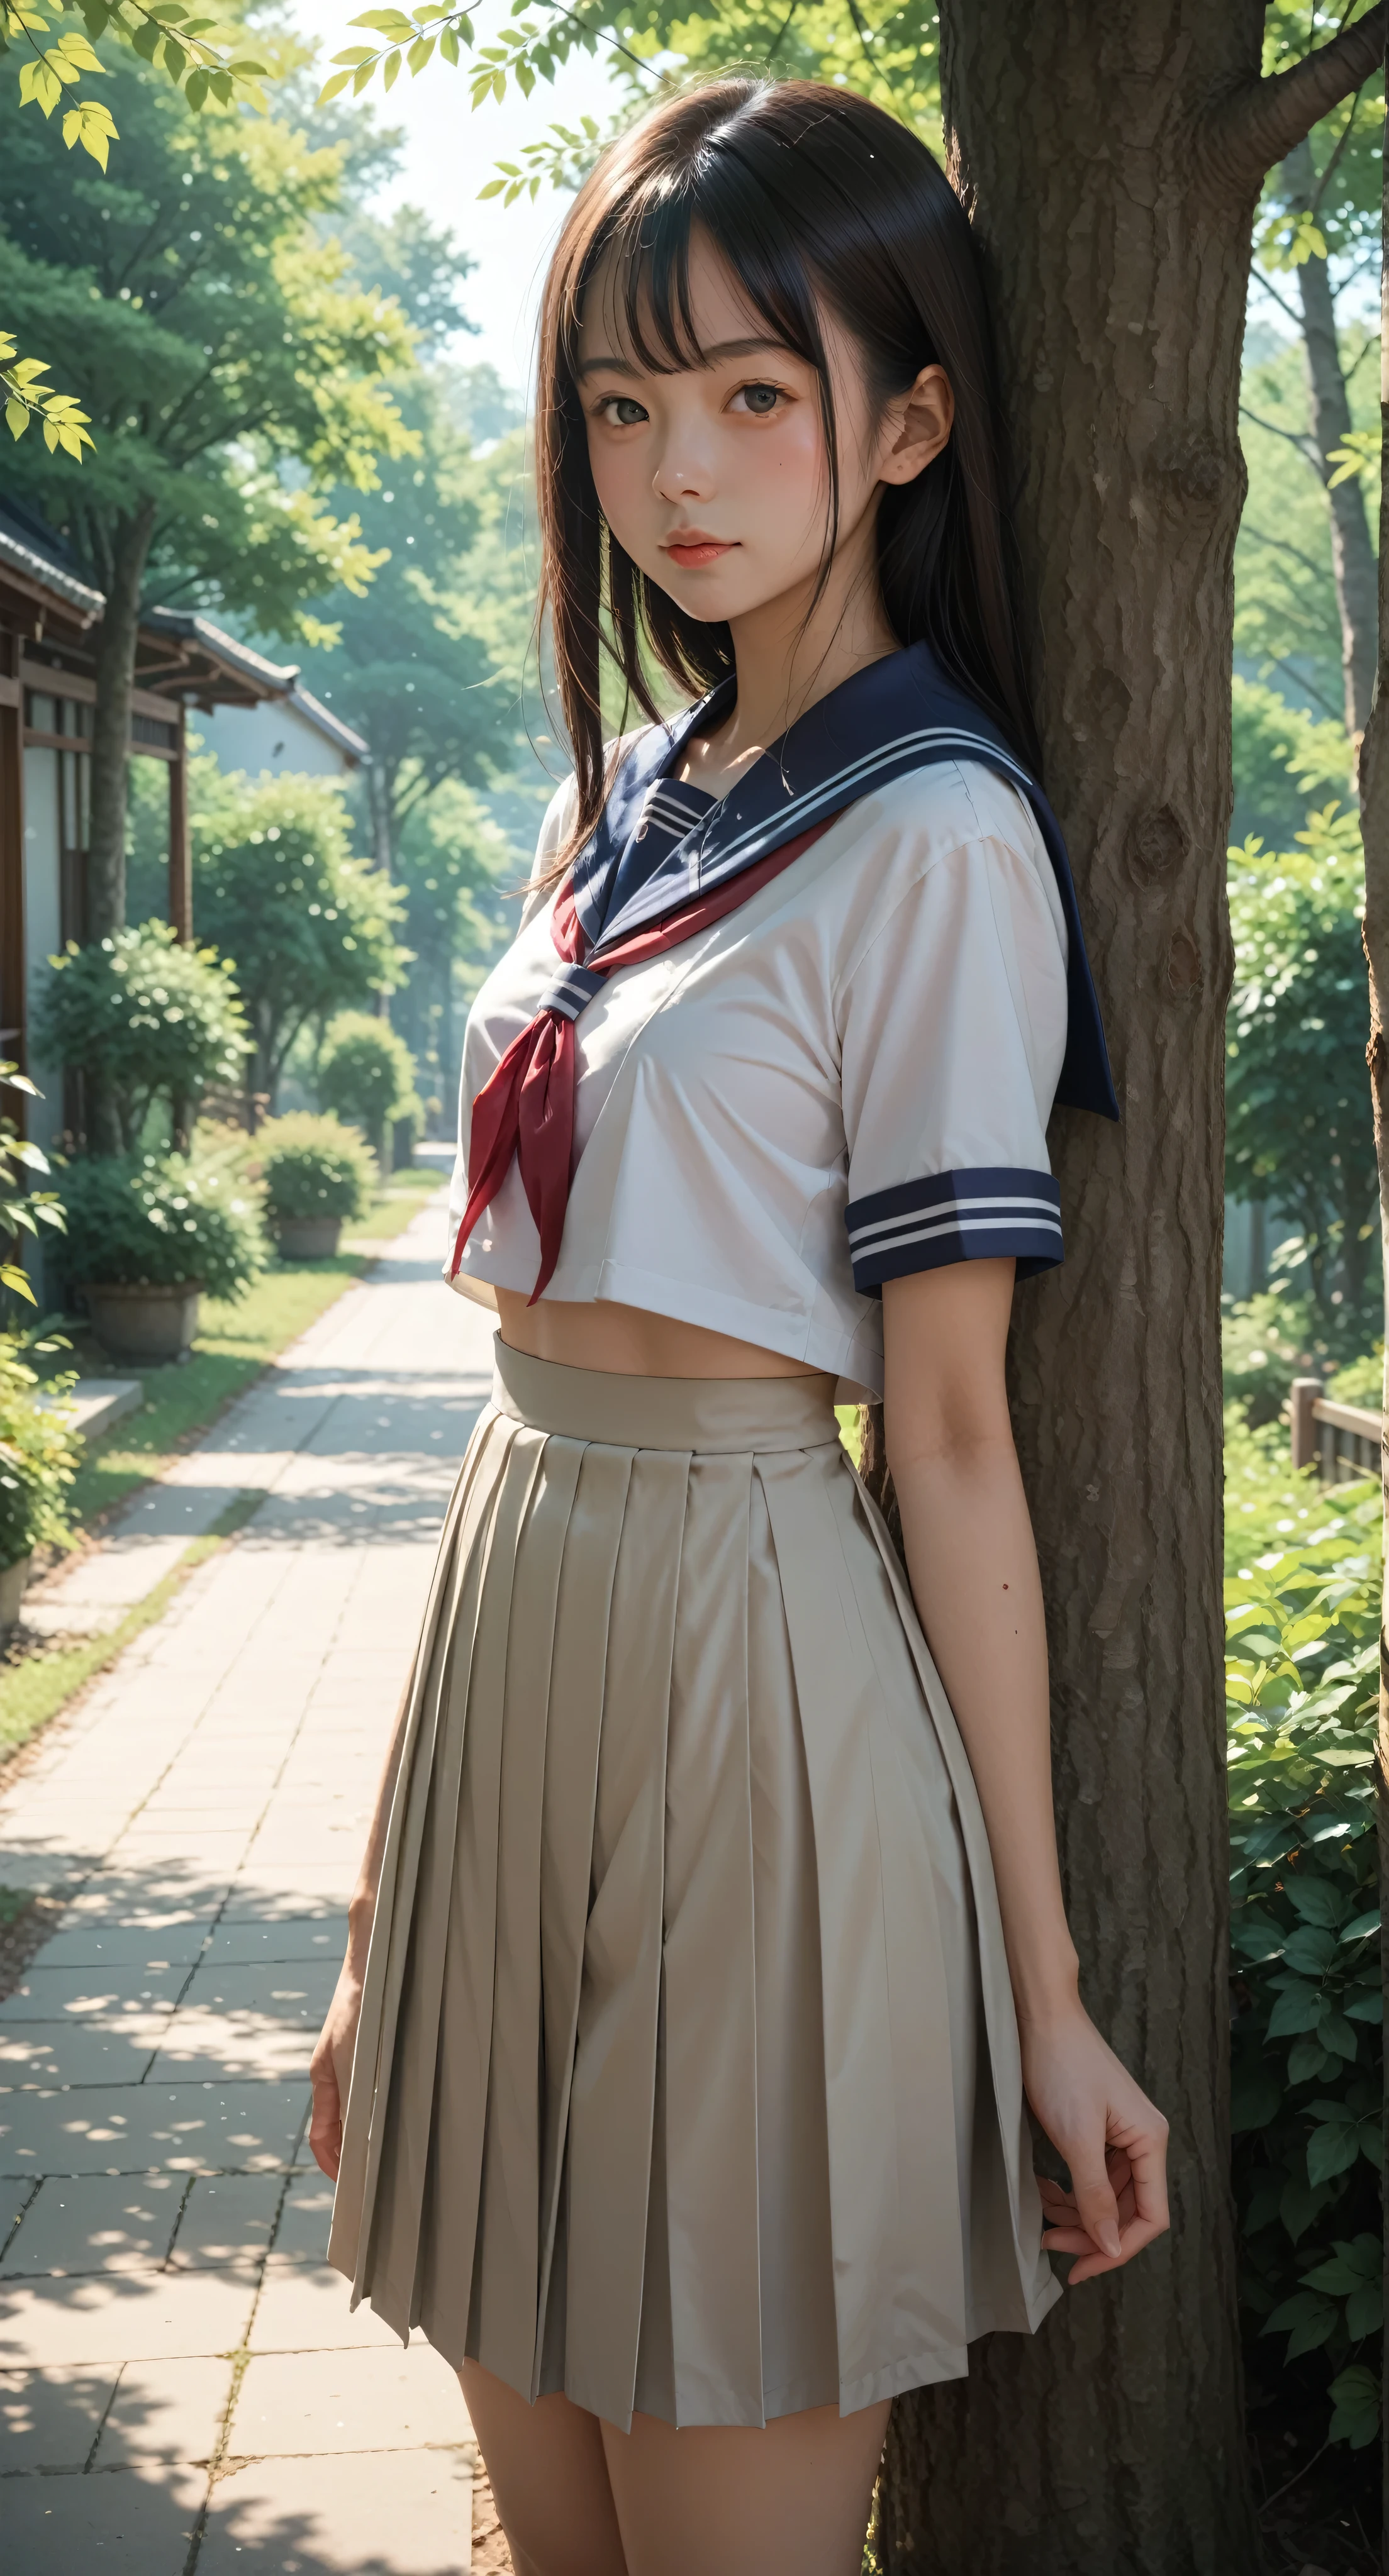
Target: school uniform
column 687, row 2078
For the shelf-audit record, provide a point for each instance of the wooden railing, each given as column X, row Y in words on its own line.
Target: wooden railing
column 1343, row 1441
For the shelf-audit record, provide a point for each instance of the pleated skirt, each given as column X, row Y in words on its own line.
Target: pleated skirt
column 687, row 2078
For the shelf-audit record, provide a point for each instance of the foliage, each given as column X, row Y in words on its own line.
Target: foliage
column 1298, row 1113
column 22, row 1211
column 310, row 928
column 1265, row 1342
column 1286, row 763
column 1302, row 1684
column 1269, row 1507
column 203, row 59
column 413, row 668
column 1361, row 1381
column 365, row 1074
column 314, row 1167
column 27, row 398
column 212, row 336
column 39, row 1454
column 153, row 1020
column 1287, row 624
column 454, row 867
column 146, row 1220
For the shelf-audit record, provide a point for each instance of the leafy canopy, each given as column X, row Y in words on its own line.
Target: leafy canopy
column 308, row 928
column 213, row 336
column 1298, row 1114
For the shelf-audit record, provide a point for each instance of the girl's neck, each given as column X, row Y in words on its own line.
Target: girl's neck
column 787, row 661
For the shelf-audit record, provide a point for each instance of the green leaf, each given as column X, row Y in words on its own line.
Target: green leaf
column 1365, row 2311
column 1299, row 2008
column 329, row 90
column 1316, row 1898
column 195, row 87
column 419, row 54
column 1355, row 2262
column 1313, row 2321
column 1310, row 1950
column 1334, row 2032
column 1332, row 2149
column 1362, row 1926
column 1368, row 2007
column 391, row 68
column 448, row 44
column 175, row 59
column 1355, row 2397
column 146, row 39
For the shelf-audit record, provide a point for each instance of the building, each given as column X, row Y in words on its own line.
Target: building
column 49, row 623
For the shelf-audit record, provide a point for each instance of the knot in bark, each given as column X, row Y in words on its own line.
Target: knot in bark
column 1185, row 974
column 1156, row 846
column 1190, row 468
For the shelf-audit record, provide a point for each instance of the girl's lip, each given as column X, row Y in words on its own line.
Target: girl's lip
column 692, row 551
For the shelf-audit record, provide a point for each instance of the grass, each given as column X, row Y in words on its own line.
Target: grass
column 1269, row 1506
column 39, row 1683
column 233, row 1346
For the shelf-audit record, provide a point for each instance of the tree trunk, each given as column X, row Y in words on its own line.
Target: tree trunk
column 1374, row 828
column 1352, row 554
column 381, row 805
column 115, row 682
column 1115, row 228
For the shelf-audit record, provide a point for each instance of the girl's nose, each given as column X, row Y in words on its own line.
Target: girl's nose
column 682, row 475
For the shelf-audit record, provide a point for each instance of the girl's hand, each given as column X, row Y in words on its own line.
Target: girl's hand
column 1112, row 2138
column 330, row 2071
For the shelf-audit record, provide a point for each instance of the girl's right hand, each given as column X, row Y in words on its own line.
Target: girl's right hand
column 330, row 2071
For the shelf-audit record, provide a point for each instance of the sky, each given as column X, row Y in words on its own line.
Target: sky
column 450, row 152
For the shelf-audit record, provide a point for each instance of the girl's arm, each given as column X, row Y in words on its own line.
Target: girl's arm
column 973, row 1568
column 330, row 2067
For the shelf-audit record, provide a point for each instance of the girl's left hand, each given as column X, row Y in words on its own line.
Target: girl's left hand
column 1112, row 2137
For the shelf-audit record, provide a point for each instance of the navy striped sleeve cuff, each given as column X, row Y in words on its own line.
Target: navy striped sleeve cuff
column 957, row 1216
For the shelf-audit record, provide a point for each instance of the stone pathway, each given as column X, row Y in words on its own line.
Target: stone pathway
column 180, row 2381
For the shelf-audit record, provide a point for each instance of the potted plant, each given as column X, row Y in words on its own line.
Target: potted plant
column 315, row 1172
column 147, row 1235
column 38, row 1459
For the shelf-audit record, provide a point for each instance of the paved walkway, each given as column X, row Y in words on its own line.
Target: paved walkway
column 180, row 2381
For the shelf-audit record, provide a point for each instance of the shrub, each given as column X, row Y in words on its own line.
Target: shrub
column 21, row 1211
column 148, row 1019
column 1360, row 1381
column 39, row 1455
column 1302, row 1680
column 146, row 1220
column 366, row 1073
column 315, row 1167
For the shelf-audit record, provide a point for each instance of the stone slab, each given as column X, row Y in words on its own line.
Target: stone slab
column 46, row 1994
column 227, row 2218
column 49, row 2419
column 166, row 2410
column 188, row 2128
column 305, row 2307
column 126, row 2524
column 100, row 2050
column 95, row 2223
column 403, row 2513
column 123, row 2316
column 317, row 2402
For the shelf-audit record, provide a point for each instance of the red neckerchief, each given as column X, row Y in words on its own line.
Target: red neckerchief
column 527, row 1108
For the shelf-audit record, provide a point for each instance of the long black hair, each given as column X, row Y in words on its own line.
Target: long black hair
column 811, row 196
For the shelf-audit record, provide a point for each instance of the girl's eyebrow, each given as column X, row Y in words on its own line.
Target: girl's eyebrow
column 722, row 349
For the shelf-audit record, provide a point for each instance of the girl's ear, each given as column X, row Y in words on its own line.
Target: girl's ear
column 915, row 427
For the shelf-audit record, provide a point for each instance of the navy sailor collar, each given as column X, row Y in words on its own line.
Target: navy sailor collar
column 898, row 715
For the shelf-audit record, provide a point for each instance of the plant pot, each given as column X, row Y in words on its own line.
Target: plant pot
column 307, row 1238
column 12, row 1581
column 144, row 1323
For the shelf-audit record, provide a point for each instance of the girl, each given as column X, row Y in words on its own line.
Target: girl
column 710, row 1933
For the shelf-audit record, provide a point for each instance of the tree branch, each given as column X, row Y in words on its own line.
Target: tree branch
column 1298, row 438
column 1259, row 125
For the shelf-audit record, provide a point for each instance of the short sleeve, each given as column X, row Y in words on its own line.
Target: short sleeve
column 953, row 1030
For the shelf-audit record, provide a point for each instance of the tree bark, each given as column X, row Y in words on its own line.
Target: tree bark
column 1352, row 554
column 1111, row 166
column 115, row 682
column 1374, row 830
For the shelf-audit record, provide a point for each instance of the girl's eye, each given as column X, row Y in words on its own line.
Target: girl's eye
column 759, row 399
column 621, row 412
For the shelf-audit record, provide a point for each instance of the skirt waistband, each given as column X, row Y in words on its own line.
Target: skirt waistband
column 681, row 1413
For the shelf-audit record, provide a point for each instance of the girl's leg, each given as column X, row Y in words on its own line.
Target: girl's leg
column 549, row 2479
column 790, row 2500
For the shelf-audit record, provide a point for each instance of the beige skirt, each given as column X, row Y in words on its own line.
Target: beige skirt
column 687, row 2077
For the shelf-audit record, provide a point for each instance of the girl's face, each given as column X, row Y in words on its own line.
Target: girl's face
column 715, row 479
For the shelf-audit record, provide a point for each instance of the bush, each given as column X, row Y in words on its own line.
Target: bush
column 148, row 1019
column 39, row 1455
column 367, row 1074
column 1361, row 1381
column 22, row 1211
column 1302, row 1681
column 1265, row 1342
column 314, row 1167
column 146, row 1220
